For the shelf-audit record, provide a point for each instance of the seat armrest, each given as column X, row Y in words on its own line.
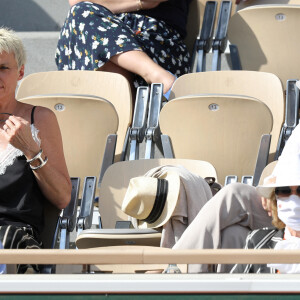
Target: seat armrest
column 109, row 154
column 152, row 130
column 220, row 40
column 67, row 220
column 85, row 217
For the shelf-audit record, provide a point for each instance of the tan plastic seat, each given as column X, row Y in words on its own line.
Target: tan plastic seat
column 263, row 86
column 85, row 123
column 244, row 4
column 113, row 188
column 110, row 86
column 225, row 130
column 112, row 192
column 265, row 40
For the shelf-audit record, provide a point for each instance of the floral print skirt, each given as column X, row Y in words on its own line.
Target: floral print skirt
column 92, row 34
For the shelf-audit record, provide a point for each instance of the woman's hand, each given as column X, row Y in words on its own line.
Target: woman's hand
column 53, row 178
column 17, row 132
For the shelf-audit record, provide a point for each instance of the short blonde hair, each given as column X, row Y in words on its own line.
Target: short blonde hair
column 11, row 43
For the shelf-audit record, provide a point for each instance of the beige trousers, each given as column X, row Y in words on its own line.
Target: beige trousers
column 224, row 222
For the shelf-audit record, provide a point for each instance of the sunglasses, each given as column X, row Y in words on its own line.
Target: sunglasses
column 285, row 191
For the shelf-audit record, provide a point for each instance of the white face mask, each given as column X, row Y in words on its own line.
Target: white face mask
column 289, row 211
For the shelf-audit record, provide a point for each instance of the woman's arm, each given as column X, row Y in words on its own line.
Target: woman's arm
column 53, row 178
column 117, row 6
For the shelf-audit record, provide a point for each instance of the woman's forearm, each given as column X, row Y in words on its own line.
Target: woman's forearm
column 53, row 178
column 54, row 185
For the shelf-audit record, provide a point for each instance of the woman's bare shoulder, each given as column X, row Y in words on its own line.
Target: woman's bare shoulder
column 44, row 117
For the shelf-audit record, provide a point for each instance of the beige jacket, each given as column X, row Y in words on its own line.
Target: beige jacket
column 194, row 193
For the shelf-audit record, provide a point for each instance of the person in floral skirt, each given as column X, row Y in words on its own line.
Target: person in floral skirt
column 140, row 39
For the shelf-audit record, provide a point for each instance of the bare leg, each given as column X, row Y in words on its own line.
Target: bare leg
column 140, row 63
column 111, row 67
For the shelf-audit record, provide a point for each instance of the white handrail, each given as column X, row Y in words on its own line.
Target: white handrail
column 146, row 255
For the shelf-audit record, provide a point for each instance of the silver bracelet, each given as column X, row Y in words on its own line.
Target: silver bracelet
column 38, row 157
column 43, row 162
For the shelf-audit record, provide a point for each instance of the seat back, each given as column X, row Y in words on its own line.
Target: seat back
column 85, row 123
column 263, row 86
column 110, row 86
column 225, row 130
column 116, row 179
column 244, row 4
column 263, row 35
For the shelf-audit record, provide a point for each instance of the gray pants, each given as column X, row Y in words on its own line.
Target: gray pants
column 224, row 222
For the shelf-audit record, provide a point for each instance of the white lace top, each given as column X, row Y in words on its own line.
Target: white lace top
column 8, row 155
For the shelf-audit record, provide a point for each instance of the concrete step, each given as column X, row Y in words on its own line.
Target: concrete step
column 40, row 48
column 33, row 15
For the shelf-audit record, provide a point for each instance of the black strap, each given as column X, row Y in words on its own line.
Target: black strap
column 160, row 200
column 32, row 115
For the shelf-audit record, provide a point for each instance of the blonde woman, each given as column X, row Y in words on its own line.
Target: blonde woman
column 32, row 164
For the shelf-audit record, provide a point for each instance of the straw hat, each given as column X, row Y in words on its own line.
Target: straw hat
column 152, row 200
column 287, row 170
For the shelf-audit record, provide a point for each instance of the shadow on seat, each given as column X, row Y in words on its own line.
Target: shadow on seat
column 225, row 130
column 110, row 86
column 263, row 36
column 265, row 87
column 86, row 124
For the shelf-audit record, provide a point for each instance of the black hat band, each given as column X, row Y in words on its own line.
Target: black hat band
column 160, row 201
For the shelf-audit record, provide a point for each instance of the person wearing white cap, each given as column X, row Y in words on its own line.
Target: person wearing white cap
column 226, row 220
column 283, row 188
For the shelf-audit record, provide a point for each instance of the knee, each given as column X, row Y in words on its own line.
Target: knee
column 237, row 192
column 240, row 189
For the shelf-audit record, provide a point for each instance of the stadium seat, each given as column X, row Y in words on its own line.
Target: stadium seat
column 115, row 183
column 225, row 130
column 112, row 192
column 263, row 86
column 110, row 86
column 52, row 230
column 244, row 4
column 264, row 38
column 88, row 125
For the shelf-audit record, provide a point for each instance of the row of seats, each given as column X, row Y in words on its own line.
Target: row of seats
column 217, row 117
column 259, row 35
column 75, row 110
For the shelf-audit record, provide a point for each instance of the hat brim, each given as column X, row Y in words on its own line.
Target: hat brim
column 171, row 201
column 266, row 190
